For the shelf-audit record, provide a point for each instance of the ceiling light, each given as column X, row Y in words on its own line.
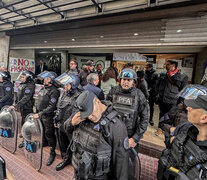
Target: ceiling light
column 45, row 41
column 73, row 39
column 136, row 34
column 101, row 36
column 53, row 49
column 179, row 30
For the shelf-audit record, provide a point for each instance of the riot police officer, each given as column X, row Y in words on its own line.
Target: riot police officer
column 71, row 92
column 6, row 89
column 26, row 90
column 131, row 103
column 187, row 156
column 99, row 142
column 48, row 98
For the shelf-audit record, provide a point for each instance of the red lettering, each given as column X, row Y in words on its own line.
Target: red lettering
column 20, row 62
column 26, row 62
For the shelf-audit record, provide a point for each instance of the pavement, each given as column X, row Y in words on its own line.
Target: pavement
column 21, row 169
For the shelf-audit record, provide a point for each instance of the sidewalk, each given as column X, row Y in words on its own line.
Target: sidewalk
column 22, row 170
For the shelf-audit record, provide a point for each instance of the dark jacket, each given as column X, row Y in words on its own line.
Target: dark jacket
column 169, row 87
column 142, row 85
column 118, row 142
column 25, row 96
column 140, row 121
column 6, row 94
column 151, row 77
column 48, row 98
column 96, row 90
column 83, row 75
column 73, row 71
column 38, row 69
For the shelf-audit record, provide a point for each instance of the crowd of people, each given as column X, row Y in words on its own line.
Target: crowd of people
column 101, row 118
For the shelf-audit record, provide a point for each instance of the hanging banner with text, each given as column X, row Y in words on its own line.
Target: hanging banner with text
column 20, row 64
column 118, row 56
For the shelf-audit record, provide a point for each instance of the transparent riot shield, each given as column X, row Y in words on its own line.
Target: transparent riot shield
column 134, row 165
column 8, row 129
column 32, row 132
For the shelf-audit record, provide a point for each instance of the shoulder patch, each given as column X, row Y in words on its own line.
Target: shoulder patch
column 8, row 89
column 97, row 127
column 126, row 143
column 27, row 91
column 53, row 100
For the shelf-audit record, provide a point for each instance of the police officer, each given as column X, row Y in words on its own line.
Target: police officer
column 99, row 142
column 151, row 77
column 187, row 156
column 131, row 103
column 6, row 89
column 26, row 90
column 48, row 98
column 71, row 92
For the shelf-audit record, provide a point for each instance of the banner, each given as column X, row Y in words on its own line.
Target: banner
column 20, row 64
column 118, row 56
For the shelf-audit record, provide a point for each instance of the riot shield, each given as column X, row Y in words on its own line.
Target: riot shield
column 134, row 165
column 32, row 132
column 8, row 129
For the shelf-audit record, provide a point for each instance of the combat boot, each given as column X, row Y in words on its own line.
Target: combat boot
column 52, row 156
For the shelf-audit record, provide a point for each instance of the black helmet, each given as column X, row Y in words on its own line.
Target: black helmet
column 128, row 73
column 29, row 75
column 5, row 76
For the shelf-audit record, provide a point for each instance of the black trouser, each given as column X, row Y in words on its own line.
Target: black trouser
column 164, row 108
column 151, row 105
column 24, row 113
column 64, row 139
column 49, row 130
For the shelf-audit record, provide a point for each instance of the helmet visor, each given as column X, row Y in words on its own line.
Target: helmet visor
column 192, row 91
column 64, row 79
column 127, row 75
column 44, row 75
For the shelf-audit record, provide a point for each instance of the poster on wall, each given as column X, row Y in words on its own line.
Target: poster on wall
column 17, row 65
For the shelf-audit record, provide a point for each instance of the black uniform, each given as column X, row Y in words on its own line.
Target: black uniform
column 186, row 154
column 48, row 98
column 25, row 101
column 132, row 105
column 65, row 110
column 6, row 94
column 176, row 116
column 151, row 77
column 100, row 149
column 168, row 89
column 83, row 77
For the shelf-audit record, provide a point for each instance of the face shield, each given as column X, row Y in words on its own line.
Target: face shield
column 44, row 75
column 21, row 77
column 64, row 79
column 192, row 91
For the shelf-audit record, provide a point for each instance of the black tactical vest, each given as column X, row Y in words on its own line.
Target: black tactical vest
column 186, row 156
column 2, row 92
column 21, row 90
column 127, row 106
column 91, row 152
column 66, row 105
column 43, row 99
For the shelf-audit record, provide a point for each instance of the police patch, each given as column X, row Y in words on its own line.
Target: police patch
column 53, row 100
column 8, row 89
column 27, row 91
column 126, row 143
column 124, row 100
column 97, row 127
